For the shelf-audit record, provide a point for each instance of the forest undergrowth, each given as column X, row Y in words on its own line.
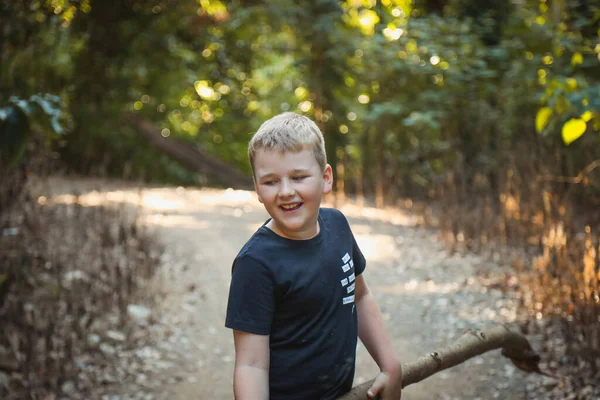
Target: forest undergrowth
column 74, row 293
column 536, row 225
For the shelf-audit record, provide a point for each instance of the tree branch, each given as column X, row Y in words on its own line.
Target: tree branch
column 192, row 157
column 572, row 179
column 474, row 342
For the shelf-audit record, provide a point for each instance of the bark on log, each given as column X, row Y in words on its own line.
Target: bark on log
column 474, row 342
column 193, row 157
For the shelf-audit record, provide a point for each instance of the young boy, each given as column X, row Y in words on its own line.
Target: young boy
column 298, row 298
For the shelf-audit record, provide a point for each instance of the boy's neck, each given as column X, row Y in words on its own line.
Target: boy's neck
column 300, row 236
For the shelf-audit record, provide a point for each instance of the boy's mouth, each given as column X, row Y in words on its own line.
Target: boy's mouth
column 290, row 207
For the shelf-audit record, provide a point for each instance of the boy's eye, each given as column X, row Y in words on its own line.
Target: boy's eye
column 269, row 183
column 300, row 177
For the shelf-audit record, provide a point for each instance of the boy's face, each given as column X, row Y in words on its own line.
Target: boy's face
column 290, row 185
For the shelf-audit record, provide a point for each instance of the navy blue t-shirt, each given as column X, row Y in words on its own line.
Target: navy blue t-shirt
column 301, row 293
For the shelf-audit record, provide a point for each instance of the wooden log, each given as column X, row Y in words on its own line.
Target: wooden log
column 514, row 346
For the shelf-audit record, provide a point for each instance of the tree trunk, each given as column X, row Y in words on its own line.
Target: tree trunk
column 379, row 167
column 189, row 155
column 340, row 188
column 473, row 343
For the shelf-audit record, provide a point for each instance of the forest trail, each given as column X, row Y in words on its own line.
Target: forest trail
column 428, row 297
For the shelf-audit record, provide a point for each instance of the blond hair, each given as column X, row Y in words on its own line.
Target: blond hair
column 288, row 132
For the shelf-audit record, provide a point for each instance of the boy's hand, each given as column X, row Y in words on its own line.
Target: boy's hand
column 386, row 387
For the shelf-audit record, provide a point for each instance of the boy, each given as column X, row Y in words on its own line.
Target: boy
column 298, row 299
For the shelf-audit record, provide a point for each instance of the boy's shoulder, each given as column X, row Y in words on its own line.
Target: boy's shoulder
column 258, row 243
column 332, row 215
column 327, row 212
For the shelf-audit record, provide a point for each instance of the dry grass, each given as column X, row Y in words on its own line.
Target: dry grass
column 555, row 253
column 67, row 274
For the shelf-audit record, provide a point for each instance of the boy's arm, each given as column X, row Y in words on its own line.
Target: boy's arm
column 372, row 332
column 251, row 373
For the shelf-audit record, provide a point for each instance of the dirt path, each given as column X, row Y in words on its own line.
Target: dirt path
column 428, row 298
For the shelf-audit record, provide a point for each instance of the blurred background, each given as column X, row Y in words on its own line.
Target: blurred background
column 481, row 115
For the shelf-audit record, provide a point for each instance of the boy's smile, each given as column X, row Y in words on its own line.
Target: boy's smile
column 290, row 185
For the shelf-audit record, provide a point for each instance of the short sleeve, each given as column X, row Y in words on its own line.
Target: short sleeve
column 360, row 262
column 251, row 297
column 340, row 220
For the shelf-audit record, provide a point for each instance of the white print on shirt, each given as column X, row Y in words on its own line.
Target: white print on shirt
column 347, row 266
column 351, row 287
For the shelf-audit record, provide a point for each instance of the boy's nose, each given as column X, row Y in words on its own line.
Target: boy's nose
column 286, row 189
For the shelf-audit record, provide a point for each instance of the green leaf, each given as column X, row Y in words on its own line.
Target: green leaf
column 425, row 119
column 49, row 108
column 573, row 129
column 384, row 109
column 587, row 116
column 23, row 105
column 541, row 119
column 56, row 126
column 576, row 59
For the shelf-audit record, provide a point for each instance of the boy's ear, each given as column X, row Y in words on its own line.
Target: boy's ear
column 256, row 190
column 328, row 179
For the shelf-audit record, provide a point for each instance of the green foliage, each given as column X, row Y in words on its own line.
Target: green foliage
column 571, row 87
column 387, row 81
column 14, row 129
column 42, row 111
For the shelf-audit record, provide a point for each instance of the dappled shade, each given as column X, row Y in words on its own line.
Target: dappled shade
column 480, row 118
